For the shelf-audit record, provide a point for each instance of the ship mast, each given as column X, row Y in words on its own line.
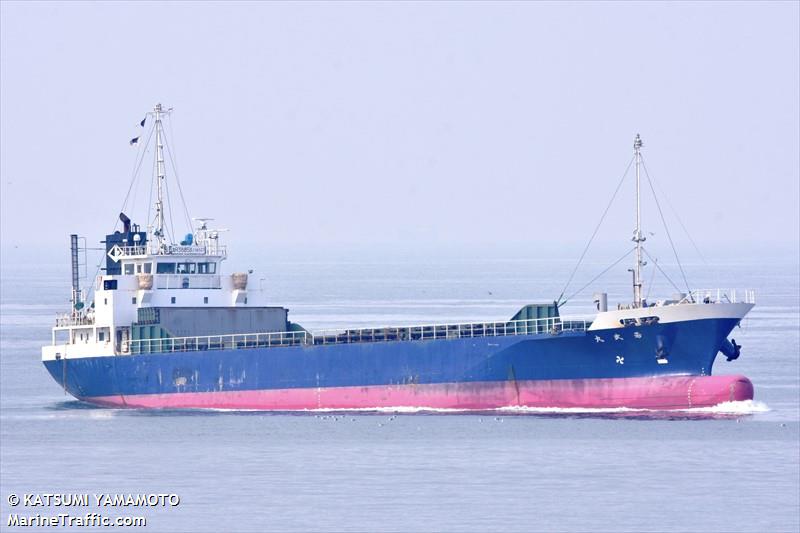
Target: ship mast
column 158, row 230
column 638, row 238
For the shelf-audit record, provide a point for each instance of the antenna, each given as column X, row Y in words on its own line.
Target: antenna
column 202, row 222
column 638, row 238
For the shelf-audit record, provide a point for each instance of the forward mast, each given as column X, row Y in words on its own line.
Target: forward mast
column 638, row 237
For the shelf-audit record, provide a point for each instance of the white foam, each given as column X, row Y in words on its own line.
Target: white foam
column 570, row 410
column 734, row 408
column 511, row 409
column 744, row 407
column 397, row 409
column 727, row 408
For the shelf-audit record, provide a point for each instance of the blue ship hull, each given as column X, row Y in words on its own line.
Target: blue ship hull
column 442, row 366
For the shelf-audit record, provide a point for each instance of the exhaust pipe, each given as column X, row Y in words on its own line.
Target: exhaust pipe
column 126, row 223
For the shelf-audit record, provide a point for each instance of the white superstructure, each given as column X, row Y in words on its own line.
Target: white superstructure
column 145, row 269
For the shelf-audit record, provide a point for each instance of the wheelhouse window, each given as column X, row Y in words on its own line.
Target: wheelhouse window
column 165, row 268
column 206, row 268
column 148, row 268
column 187, row 268
column 128, row 268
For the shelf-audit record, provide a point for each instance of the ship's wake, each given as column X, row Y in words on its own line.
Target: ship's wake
column 726, row 410
column 723, row 410
column 744, row 407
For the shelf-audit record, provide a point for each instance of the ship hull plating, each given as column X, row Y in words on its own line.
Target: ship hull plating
column 659, row 393
column 661, row 366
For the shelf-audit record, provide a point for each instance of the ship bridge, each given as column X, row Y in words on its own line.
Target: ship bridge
column 148, row 272
column 141, row 275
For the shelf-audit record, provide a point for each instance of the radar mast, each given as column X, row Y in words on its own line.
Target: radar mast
column 638, row 238
column 157, row 225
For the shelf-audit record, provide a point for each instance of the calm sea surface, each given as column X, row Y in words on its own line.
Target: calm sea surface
column 732, row 469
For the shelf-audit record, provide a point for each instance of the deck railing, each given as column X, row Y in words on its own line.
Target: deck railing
column 188, row 281
column 541, row 326
column 66, row 320
column 208, row 248
column 716, row 296
column 449, row 331
column 217, row 342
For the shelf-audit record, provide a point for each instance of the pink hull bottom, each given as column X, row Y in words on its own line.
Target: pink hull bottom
column 660, row 393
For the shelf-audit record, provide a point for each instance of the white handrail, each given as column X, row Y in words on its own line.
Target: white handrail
column 216, row 342
column 540, row 326
column 718, row 295
column 188, row 281
column 205, row 248
column 65, row 320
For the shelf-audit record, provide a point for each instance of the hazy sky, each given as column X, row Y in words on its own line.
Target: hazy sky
column 403, row 124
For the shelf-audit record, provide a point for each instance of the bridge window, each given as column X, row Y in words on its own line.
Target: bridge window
column 206, row 268
column 128, row 268
column 148, row 268
column 165, row 268
column 187, row 268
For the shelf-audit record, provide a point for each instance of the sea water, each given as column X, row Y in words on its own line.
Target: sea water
column 735, row 467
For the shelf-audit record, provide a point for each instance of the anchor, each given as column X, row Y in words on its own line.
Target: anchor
column 730, row 349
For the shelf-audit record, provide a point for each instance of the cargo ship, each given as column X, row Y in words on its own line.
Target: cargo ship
column 166, row 328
